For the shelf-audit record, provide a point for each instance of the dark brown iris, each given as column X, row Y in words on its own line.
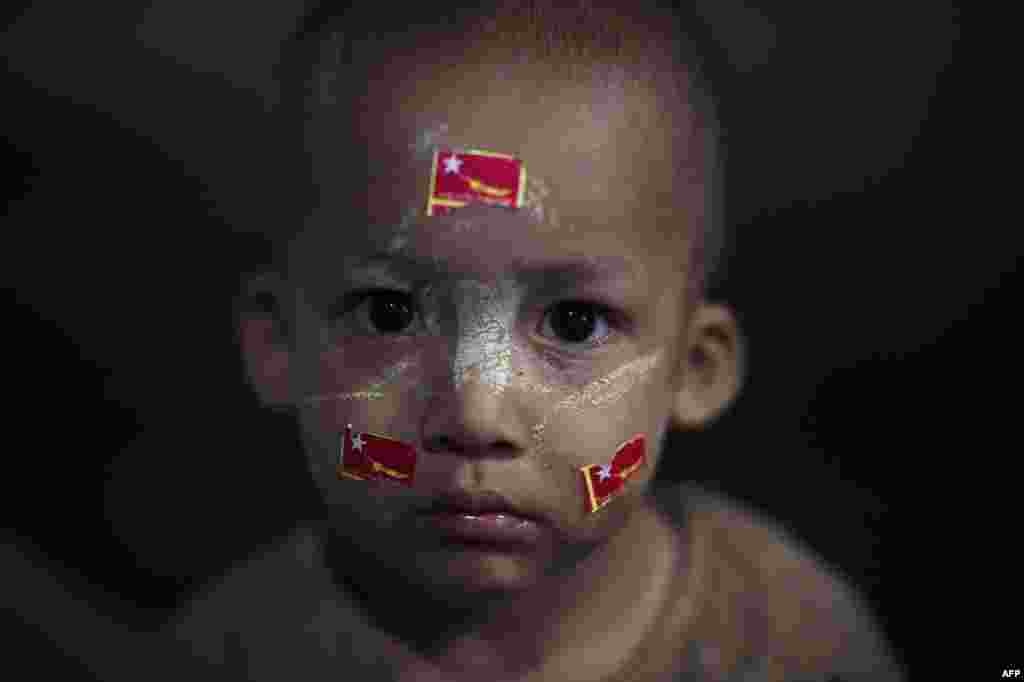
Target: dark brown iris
column 390, row 312
column 573, row 322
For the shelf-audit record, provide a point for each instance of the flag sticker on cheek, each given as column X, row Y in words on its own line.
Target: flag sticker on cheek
column 369, row 457
column 458, row 178
column 602, row 482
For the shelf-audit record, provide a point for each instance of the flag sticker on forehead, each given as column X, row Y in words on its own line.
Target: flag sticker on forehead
column 602, row 482
column 369, row 457
column 461, row 177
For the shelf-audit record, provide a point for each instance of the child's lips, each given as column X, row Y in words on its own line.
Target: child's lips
column 481, row 517
column 497, row 529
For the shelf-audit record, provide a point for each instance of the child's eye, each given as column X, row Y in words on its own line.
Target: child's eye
column 575, row 322
column 392, row 312
column 382, row 311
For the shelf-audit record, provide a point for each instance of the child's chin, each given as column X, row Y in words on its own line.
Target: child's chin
column 476, row 569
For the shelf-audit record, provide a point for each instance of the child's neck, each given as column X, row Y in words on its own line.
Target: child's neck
column 604, row 608
column 598, row 615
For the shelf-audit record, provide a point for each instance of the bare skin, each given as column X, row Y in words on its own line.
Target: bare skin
column 480, row 382
column 578, row 619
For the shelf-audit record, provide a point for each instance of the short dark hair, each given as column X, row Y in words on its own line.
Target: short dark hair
column 355, row 33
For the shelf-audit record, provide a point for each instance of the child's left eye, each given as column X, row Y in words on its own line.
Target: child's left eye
column 575, row 323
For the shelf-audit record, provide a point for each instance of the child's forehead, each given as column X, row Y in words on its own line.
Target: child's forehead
column 596, row 154
column 572, row 133
column 601, row 154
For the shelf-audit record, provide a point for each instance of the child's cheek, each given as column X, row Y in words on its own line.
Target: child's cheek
column 555, row 369
column 588, row 424
column 364, row 382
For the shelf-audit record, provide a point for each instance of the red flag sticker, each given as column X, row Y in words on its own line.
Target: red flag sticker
column 629, row 456
column 369, row 457
column 458, row 178
column 601, row 482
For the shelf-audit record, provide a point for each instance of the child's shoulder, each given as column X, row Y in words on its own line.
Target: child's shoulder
column 766, row 600
column 225, row 620
column 276, row 612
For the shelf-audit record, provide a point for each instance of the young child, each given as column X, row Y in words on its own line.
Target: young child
column 485, row 323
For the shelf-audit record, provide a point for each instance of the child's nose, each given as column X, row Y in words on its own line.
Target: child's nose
column 485, row 318
column 474, row 419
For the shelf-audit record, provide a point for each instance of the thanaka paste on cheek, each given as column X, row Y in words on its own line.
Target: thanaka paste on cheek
column 537, row 435
column 374, row 391
column 599, row 393
column 327, row 413
column 611, row 387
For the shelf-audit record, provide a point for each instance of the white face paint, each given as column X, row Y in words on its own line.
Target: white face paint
column 400, row 236
column 599, row 393
column 372, row 392
column 348, row 395
column 486, row 316
column 535, row 204
column 612, row 386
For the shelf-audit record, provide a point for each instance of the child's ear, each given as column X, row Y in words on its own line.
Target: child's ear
column 264, row 339
column 712, row 367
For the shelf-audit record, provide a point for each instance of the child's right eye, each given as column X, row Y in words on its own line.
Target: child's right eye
column 378, row 311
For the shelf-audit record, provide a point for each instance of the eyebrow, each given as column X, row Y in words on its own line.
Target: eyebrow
column 556, row 276
column 551, row 276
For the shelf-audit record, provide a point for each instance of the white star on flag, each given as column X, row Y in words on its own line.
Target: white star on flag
column 605, row 473
column 452, row 164
column 358, row 442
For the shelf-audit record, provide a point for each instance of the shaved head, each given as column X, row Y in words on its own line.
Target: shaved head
column 511, row 346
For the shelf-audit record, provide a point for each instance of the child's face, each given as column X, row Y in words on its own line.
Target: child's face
column 472, row 360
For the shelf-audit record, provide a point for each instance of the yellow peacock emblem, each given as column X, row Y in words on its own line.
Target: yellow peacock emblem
column 482, row 188
column 626, row 473
column 378, row 467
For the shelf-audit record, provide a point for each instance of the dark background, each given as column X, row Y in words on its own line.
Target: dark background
column 870, row 283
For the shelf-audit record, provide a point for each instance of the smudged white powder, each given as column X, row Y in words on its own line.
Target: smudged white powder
column 400, row 232
column 373, row 391
column 612, row 386
column 598, row 393
column 485, row 316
